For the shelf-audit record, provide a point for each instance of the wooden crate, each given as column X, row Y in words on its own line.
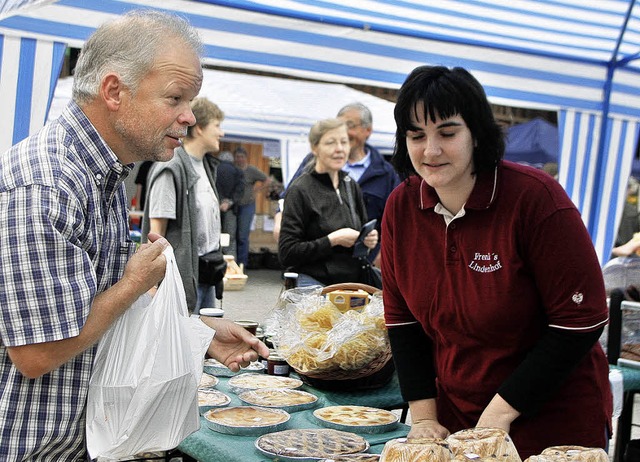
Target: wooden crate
column 234, row 279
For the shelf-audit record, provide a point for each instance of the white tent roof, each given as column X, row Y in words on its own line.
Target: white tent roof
column 579, row 57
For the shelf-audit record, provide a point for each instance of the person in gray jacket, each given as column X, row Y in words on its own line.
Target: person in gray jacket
column 182, row 201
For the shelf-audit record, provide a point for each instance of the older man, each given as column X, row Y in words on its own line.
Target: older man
column 69, row 269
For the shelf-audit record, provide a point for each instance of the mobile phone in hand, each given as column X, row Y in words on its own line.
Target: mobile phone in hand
column 359, row 249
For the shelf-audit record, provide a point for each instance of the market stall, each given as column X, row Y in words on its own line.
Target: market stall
column 207, row 445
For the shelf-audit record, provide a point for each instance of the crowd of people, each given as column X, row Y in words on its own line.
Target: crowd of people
column 470, row 248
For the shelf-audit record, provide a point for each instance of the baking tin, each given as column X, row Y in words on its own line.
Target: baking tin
column 208, row 381
column 362, row 428
column 256, row 429
column 214, row 367
column 362, row 457
column 210, row 399
column 246, row 382
column 260, row 397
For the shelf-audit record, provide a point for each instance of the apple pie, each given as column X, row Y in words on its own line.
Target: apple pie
column 210, row 398
column 244, row 382
column 318, row 443
column 208, row 381
column 356, row 417
column 286, row 398
column 246, row 420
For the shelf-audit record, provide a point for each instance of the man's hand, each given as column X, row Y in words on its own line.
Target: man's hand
column 147, row 266
column 233, row 345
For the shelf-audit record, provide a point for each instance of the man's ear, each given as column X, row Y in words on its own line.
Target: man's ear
column 111, row 91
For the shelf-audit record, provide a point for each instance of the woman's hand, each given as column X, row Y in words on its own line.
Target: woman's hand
column 427, row 428
column 371, row 239
column 233, row 345
column 424, row 419
column 498, row 414
column 345, row 237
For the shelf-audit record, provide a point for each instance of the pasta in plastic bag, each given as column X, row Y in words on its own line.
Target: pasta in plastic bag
column 313, row 335
column 143, row 388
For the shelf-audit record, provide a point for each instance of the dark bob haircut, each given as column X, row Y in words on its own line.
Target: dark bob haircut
column 447, row 92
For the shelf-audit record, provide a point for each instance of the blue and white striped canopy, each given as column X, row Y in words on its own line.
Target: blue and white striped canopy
column 578, row 57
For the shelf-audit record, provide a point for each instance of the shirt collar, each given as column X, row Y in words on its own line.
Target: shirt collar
column 100, row 159
column 482, row 196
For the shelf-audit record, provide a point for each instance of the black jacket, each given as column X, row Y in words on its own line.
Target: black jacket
column 312, row 210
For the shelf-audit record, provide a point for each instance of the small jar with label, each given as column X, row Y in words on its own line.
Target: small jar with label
column 276, row 365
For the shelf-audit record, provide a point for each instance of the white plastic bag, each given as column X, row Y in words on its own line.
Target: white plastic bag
column 143, row 388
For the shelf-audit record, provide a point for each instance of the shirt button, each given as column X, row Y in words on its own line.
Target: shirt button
column 452, row 226
column 99, row 176
column 453, row 248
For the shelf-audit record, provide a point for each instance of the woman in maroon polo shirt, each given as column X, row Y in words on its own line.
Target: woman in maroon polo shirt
column 493, row 293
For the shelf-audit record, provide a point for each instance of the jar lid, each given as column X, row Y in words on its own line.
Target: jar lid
column 215, row 312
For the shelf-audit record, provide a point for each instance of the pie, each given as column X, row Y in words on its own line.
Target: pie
column 484, row 442
column 246, row 416
column 356, row 416
column 208, row 381
column 571, row 454
column 251, row 381
column 404, row 449
column 211, row 397
column 277, row 397
column 317, row 443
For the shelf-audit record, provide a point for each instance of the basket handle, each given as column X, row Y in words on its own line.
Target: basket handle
column 350, row 286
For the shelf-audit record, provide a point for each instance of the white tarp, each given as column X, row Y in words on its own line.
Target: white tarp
column 277, row 112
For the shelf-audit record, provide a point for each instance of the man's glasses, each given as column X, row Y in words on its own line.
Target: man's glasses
column 350, row 125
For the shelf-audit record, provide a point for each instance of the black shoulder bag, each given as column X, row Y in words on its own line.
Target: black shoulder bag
column 212, row 267
column 369, row 274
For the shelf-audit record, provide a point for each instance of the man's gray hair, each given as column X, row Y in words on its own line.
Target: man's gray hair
column 129, row 46
column 366, row 119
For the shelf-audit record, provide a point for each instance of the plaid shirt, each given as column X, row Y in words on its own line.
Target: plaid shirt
column 63, row 239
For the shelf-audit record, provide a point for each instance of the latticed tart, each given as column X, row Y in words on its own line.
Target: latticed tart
column 356, row 418
column 283, row 398
column 246, row 420
column 244, row 382
column 311, row 443
column 570, row 454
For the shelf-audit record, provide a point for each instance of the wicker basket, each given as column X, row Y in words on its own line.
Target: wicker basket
column 374, row 375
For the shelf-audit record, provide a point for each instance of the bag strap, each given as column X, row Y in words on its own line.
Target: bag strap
column 351, row 202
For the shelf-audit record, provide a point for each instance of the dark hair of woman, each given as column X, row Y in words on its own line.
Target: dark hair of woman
column 447, row 92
